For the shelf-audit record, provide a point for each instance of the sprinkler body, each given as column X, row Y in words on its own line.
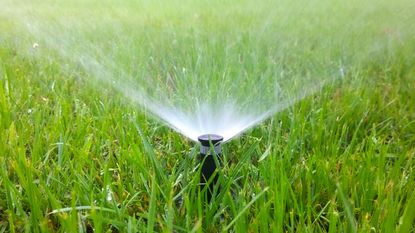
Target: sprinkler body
column 209, row 149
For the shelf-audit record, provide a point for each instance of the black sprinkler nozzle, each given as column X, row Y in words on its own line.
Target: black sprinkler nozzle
column 206, row 139
column 210, row 148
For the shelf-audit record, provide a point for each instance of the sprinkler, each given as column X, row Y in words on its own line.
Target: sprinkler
column 209, row 149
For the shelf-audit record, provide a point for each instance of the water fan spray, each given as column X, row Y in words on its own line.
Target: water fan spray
column 209, row 149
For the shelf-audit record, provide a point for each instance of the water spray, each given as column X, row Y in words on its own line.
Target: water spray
column 210, row 152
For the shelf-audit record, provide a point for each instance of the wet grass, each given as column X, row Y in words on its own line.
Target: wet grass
column 77, row 157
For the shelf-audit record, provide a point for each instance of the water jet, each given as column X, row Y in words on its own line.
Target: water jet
column 210, row 153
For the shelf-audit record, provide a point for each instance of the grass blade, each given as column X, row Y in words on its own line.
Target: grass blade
column 226, row 229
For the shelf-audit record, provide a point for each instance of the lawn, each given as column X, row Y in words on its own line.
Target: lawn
column 84, row 146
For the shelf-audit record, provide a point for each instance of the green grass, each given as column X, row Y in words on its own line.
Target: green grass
column 76, row 156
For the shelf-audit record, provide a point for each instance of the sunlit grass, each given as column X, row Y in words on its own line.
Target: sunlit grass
column 76, row 155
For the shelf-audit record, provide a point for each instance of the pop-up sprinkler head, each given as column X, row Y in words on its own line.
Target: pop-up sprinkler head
column 209, row 149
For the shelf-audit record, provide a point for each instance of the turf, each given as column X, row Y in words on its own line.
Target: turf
column 77, row 156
